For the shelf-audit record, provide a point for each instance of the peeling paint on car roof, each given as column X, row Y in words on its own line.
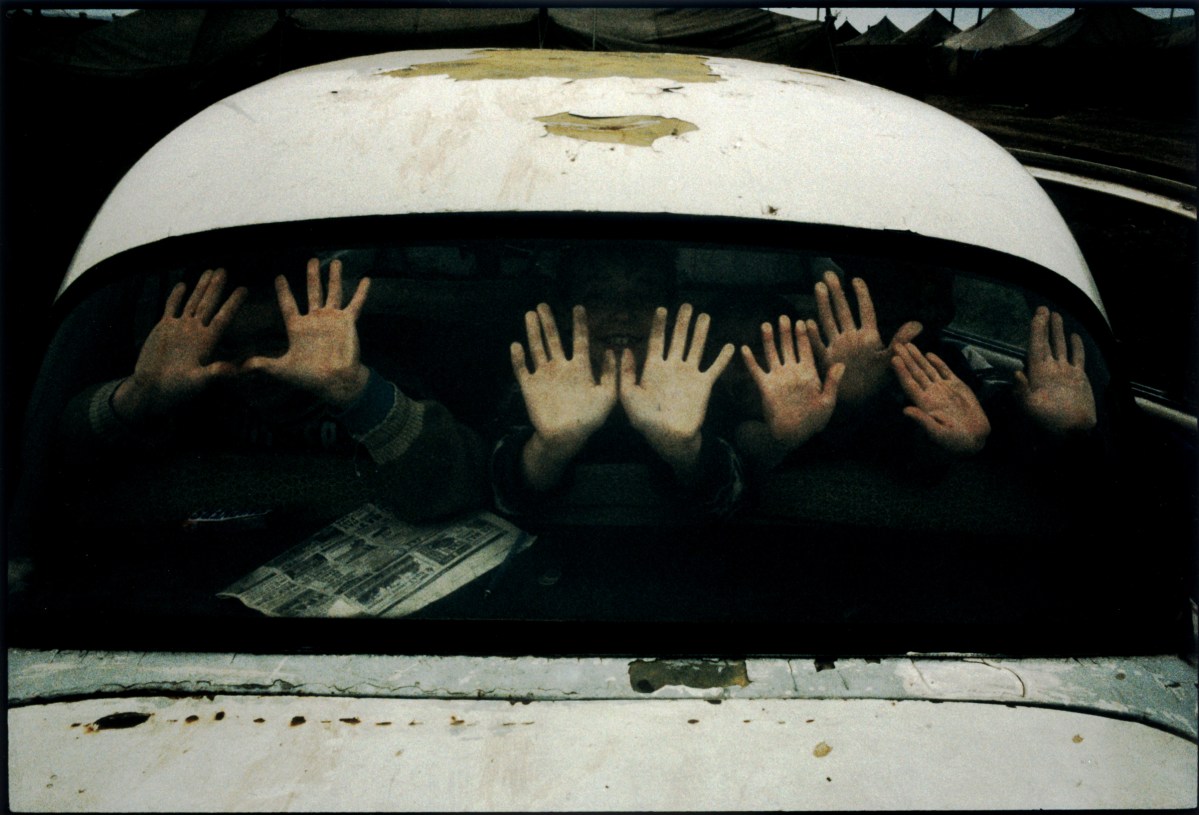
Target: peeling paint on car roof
column 527, row 64
column 641, row 131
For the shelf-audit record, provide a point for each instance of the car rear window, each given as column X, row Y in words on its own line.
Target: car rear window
column 869, row 526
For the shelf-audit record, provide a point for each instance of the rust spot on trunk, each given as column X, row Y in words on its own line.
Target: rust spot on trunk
column 117, row 721
column 647, row 677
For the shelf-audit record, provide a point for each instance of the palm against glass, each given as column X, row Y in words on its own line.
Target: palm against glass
column 565, row 403
column 857, row 344
column 668, row 404
column 943, row 404
column 174, row 363
column 1056, row 392
column 323, row 355
column 795, row 403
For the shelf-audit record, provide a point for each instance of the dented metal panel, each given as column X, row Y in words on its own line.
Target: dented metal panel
column 463, row 131
column 225, row 753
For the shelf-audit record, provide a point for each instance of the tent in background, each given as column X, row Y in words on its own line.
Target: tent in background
column 1001, row 27
column 161, row 41
column 1099, row 55
column 963, row 56
column 746, row 33
column 311, row 36
column 932, row 30
column 844, row 33
column 881, row 33
column 901, row 61
column 1097, row 27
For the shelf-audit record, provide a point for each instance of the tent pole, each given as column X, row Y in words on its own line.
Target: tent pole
column 951, row 13
column 980, row 15
column 829, row 28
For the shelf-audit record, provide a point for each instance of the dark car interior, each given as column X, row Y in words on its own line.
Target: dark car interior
column 865, row 541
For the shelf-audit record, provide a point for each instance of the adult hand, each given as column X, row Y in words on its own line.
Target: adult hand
column 1056, row 392
column 795, row 403
column 668, row 404
column 174, row 363
column 565, row 403
column 322, row 357
column 943, row 404
column 857, row 344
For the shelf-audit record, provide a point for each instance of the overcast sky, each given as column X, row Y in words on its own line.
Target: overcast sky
column 963, row 18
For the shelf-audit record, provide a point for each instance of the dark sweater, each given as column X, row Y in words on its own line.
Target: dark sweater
column 219, row 455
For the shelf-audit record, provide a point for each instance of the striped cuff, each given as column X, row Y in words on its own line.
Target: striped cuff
column 370, row 408
column 384, row 420
column 101, row 416
column 107, row 425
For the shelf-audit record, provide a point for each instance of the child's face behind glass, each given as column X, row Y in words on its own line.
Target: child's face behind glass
column 620, row 294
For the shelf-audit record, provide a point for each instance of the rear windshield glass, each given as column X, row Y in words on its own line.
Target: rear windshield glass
column 750, row 436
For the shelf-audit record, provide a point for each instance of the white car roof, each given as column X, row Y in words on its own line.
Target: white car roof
column 564, row 131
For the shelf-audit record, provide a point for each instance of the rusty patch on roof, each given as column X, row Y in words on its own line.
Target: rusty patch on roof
column 641, row 131
column 647, row 677
column 526, row 64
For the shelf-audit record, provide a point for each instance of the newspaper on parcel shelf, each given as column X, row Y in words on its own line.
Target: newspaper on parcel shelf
column 369, row 563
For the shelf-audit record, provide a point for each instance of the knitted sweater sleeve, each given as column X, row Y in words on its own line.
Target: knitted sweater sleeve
column 430, row 465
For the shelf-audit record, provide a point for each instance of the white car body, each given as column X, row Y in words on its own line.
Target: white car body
column 465, row 131
column 445, row 131
column 219, row 732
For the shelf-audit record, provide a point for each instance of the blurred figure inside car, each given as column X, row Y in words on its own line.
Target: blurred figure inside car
column 625, row 387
